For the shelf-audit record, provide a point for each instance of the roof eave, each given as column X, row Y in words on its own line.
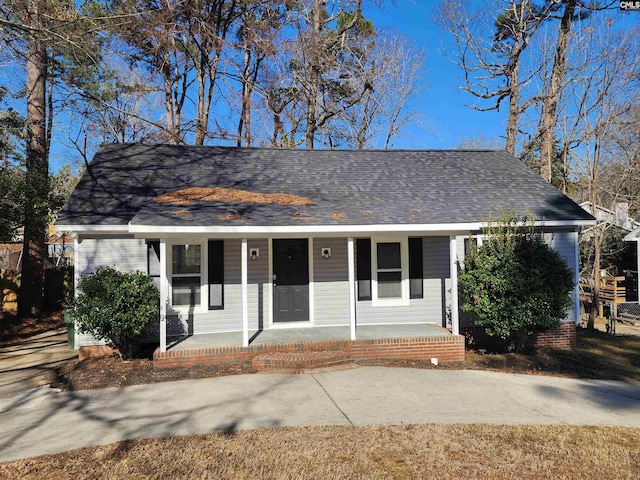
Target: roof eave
column 633, row 236
column 84, row 229
column 341, row 229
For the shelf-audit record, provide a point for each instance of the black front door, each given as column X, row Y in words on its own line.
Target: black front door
column 291, row 280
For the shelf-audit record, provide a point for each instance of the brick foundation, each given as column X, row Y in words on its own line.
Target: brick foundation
column 446, row 348
column 562, row 337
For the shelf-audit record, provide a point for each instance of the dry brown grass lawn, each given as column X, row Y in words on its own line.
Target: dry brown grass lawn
column 402, row 452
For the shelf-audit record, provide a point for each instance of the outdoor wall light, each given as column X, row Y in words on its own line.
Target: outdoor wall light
column 325, row 252
column 254, row 253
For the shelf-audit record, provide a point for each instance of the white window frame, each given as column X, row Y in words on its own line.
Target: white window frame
column 403, row 300
column 479, row 238
column 204, row 298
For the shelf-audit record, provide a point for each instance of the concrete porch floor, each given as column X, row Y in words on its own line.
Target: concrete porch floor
column 308, row 334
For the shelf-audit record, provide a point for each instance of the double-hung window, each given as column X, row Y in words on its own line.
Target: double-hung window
column 389, row 271
column 186, row 275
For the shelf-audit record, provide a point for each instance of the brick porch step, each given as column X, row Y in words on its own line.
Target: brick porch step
column 302, row 362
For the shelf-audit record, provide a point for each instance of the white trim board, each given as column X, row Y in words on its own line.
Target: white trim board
column 291, row 230
column 93, row 228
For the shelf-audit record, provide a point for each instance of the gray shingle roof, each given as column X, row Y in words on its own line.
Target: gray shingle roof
column 367, row 187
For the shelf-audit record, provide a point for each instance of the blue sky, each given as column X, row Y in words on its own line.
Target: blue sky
column 445, row 119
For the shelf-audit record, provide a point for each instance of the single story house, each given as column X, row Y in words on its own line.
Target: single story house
column 248, row 240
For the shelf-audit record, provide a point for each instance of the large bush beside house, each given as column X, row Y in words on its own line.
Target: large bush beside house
column 515, row 284
column 116, row 307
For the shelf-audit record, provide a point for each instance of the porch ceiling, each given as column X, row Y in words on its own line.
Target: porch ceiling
column 309, row 334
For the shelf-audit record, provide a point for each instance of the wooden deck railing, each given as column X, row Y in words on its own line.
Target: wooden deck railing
column 612, row 290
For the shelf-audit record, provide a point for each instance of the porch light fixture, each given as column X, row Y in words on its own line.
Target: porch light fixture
column 254, row 253
column 325, row 252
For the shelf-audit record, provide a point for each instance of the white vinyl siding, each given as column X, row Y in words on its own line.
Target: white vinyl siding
column 564, row 241
column 230, row 318
column 434, row 305
column 124, row 253
column 331, row 283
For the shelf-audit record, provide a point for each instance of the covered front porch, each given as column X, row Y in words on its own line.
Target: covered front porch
column 287, row 288
column 404, row 341
column 309, row 334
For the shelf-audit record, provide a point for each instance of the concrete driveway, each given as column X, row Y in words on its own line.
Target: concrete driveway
column 44, row 421
column 25, row 364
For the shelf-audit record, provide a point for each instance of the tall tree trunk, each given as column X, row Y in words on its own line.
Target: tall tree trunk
column 201, row 122
column 314, row 80
column 169, row 110
column 244, row 125
column 278, row 128
column 312, row 107
column 550, row 100
column 514, row 113
column 37, row 174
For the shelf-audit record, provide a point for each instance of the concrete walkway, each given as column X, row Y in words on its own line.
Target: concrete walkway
column 25, row 364
column 44, row 421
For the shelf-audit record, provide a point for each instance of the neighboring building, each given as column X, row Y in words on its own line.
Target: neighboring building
column 60, row 249
column 618, row 217
column 615, row 260
column 634, row 236
column 10, row 255
column 244, row 240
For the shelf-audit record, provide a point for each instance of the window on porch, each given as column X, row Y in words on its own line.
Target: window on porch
column 389, row 271
column 186, row 276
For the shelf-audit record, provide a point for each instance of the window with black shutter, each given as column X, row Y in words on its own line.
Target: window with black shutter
column 363, row 261
column 415, row 268
column 153, row 261
column 216, row 274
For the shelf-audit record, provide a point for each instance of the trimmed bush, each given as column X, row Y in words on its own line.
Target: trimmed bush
column 116, row 307
column 515, row 283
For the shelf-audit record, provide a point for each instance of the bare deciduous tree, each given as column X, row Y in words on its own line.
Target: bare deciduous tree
column 392, row 70
column 489, row 47
column 602, row 97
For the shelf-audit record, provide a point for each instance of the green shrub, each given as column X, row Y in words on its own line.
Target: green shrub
column 116, row 307
column 515, row 283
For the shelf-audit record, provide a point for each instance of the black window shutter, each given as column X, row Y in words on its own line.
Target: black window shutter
column 415, row 268
column 216, row 274
column 363, row 262
column 153, row 261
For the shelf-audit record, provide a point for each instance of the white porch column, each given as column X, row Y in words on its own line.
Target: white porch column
column 76, row 279
column 453, row 257
column 352, row 287
column 245, row 307
column 164, row 295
